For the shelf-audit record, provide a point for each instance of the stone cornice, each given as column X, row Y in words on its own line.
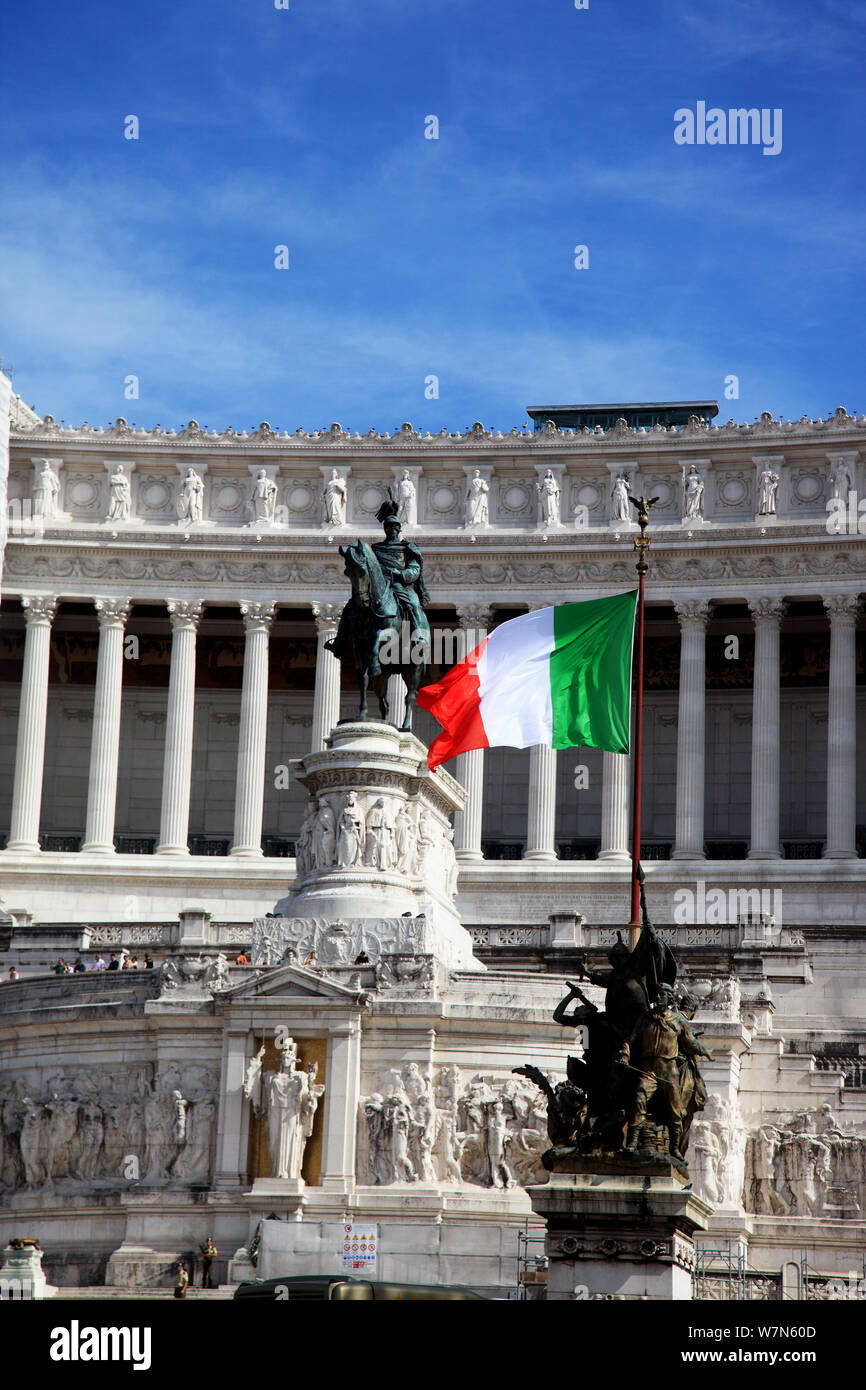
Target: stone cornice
column 193, row 438
column 302, row 567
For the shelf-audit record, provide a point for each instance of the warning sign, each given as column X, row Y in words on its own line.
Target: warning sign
column 360, row 1243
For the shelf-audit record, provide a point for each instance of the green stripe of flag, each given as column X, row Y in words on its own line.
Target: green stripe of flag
column 590, row 672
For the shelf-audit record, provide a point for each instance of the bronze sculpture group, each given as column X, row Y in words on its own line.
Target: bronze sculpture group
column 637, row 1086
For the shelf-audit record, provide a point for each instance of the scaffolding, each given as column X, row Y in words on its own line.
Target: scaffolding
column 808, row 1278
column 726, row 1263
column 531, row 1267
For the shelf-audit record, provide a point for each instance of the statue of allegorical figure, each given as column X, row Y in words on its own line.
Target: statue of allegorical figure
column 46, row 492
column 548, row 500
column 637, row 1086
column 263, row 500
column 407, row 500
column 334, row 496
column 693, row 495
column 190, row 502
column 119, row 496
column 287, row 1099
column 768, row 486
column 476, row 505
column 621, row 499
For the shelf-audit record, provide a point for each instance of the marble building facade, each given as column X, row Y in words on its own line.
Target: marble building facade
column 166, row 599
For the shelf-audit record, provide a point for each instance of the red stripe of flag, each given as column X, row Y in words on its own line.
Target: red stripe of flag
column 455, row 703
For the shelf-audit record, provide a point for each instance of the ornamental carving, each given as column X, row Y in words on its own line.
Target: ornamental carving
column 487, row 1132
column 103, row 1127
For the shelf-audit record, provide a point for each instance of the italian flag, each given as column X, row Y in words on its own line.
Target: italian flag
column 559, row 676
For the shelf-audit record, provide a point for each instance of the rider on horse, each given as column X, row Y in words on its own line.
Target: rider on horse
column 402, row 565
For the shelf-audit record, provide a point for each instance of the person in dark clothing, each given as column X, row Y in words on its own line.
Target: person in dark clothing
column 114, row 963
column 209, row 1253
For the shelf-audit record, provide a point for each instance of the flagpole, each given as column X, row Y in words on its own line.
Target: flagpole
column 641, row 545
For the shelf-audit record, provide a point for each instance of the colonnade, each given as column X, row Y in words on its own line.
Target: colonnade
column 693, row 616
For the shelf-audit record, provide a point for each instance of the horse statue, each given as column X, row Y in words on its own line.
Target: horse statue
column 384, row 619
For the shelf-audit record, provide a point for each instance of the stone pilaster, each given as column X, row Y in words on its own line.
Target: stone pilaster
column 469, row 767
column 342, row 1097
column 693, row 615
column 177, row 765
column 253, row 733
column 30, row 747
column 112, row 614
column 233, row 1123
column 326, row 697
column 767, row 614
column 842, row 728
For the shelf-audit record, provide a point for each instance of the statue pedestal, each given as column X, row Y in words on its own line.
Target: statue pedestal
column 21, row 1275
column 619, row 1227
column 282, row 1195
column 377, row 842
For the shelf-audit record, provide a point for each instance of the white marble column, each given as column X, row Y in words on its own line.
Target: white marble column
column 615, row 806
column 541, row 807
column 541, row 811
column 33, row 709
column 253, row 733
column 342, row 1097
column 177, row 764
column 326, row 697
column 469, row 767
column 842, row 728
column 691, row 736
column 396, row 700
column 767, row 614
column 112, row 614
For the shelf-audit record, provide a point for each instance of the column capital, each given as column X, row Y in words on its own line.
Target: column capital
column 257, row 616
column 844, row 607
column 39, row 608
column 184, row 614
column 692, row 610
column 767, row 609
column 474, row 614
column 326, row 616
column 112, row 612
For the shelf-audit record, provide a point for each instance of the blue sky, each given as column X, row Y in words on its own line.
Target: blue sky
column 409, row 256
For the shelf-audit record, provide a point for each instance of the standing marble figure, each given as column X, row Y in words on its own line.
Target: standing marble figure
column 334, row 498
column 407, row 500
column 263, row 501
column 693, row 495
column 288, row 1100
column 120, row 496
column 548, row 500
column 477, row 506
column 190, row 503
column 768, row 486
column 622, row 499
